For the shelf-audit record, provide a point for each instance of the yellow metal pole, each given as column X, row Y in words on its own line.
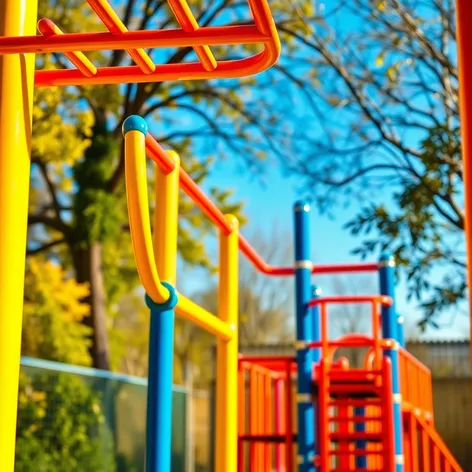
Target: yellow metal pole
column 166, row 221
column 227, row 355
column 17, row 18
column 138, row 211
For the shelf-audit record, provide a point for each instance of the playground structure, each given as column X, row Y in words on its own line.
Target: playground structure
column 378, row 417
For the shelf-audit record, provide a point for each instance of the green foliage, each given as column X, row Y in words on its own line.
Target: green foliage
column 53, row 315
column 384, row 136
column 61, row 427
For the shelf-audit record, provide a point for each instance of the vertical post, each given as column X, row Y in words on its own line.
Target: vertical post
column 227, row 354
column 390, row 331
column 387, row 287
column 401, row 330
column 159, row 394
column 166, row 216
column 316, row 330
column 304, row 330
column 464, row 51
column 161, row 337
column 17, row 18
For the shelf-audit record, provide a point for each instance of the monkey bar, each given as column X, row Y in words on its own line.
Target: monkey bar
column 261, row 30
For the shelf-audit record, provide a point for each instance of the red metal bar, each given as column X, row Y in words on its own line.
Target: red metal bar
column 464, row 52
column 112, row 21
column 382, row 299
column 189, row 24
column 252, row 418
column 279, row 412
column 288, row 420
column 413, row 433
column 389, row 449
column 344, row 268
column 268, row 420
column 48, row 29
column 211, row 35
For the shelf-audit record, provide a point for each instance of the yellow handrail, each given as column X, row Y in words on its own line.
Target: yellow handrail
column 164, row 243
column 138, row 211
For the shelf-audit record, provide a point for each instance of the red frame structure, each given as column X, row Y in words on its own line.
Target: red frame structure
column 73, row 45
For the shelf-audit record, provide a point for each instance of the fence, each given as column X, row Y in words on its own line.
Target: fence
column 79, row 420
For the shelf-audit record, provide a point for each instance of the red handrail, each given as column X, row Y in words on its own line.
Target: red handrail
column 158, row 154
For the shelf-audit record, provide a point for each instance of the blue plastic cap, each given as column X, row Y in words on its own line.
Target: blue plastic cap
column 386, row 256
column 315, row 291
column 135, row 123
column 301, row 206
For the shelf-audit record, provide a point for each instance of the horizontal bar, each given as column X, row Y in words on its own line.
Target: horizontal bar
column 198, row 315
column 211, row 35
column 267, row 359
column 48, row 29
column 259, row 263
column 266, row 438
column 188, row 23
column 382, row 299
column 340, row 268
column 114, row 24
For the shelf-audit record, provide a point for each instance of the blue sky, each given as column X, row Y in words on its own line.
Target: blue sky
column 271, row 203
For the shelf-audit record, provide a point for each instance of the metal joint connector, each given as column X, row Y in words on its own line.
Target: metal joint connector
column 305, row 264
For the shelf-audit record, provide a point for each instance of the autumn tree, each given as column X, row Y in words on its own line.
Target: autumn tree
column 381, row 94
column 78, row 157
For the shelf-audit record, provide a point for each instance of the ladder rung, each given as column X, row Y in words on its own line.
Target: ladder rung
column 354, row 402
column 355, row 452
column 354, row 436
column 356, row 419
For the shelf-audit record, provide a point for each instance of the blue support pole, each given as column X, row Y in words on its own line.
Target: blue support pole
column 361, row 444
column 390, row 331
column 387, row 287
column 304, row 331
column 159, row 394
column 316, row 319
column 401, row 330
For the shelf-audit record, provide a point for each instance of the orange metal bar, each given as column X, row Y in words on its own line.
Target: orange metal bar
column 288, row 420
column 252, row 418
column 323, row 440
column 268, row 420
column 389, row 454
column 425, row 451
column 48, row 29
column 189, row 24
column 414, row 467
column 464, row 52
column 112, row 21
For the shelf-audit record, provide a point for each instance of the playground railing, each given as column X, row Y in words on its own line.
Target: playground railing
column 266, row 416
column 328, row 347
column 416, row 385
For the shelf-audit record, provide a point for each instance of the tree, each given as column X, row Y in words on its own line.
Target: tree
column 53, row 315
column 382, row 95
column 81, row 220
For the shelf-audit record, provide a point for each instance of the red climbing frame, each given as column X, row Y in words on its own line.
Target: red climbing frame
column 52, row 40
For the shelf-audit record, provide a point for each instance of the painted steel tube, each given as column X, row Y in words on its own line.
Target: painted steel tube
column 17, row 18
column 304, row 329
column 159, row 394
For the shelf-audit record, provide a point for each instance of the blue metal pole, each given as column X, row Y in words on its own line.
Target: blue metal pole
column 397, row 409
column 304, row 331
column 401, row 330
column 159, row 394
column 361, row 444
column 390, row 331
column 316, row 319
column 387, row 287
